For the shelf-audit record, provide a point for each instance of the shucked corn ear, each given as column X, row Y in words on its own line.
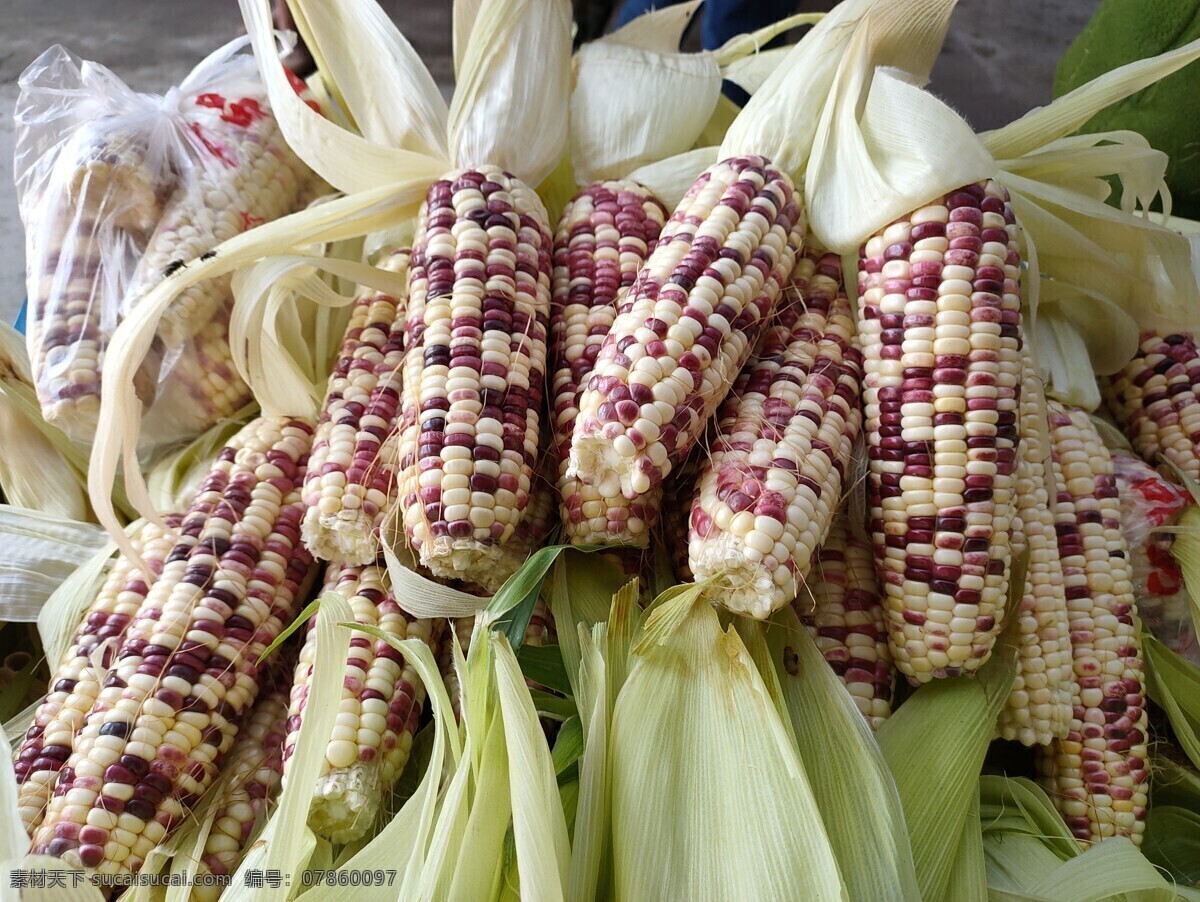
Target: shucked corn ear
column 1098, row 774
column 604, row 236
column 938, row 322
column 1155, row 399
column 351, row 477
column 475, row 364
column 1039, row 704
column 204, row 386
column 377, row 717
column 76, row 681
column 770, row 487
column 690, row 323
column 187, row 670
column 250, row 779
column 844, row 615
column 244, row 174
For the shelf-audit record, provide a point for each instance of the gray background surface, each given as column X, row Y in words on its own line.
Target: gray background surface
column 998, row 62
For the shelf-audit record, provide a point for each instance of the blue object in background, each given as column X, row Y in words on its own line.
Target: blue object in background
column 720, row 20
column 20, row 323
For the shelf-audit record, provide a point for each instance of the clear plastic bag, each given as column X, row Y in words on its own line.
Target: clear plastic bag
column 116, row 190
column 1148, row 503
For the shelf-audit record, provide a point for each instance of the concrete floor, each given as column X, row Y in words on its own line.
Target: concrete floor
column 998, row 62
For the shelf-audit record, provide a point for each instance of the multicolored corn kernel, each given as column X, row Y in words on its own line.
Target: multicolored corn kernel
column 188, row 668
column 244, row 174
column 687, row 327
column 351, row 477
column 381, row 703
column 773, row 480
column 604, row 236
column 203, row 387
column 1039, row 705
column 475, row 367
column 1098, row 775
column 250, row 779
column 1156, row 399
column 939, row 316
column 844, row 615
column 76, row 681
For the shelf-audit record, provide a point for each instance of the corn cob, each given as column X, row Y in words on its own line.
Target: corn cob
column 244, row 174
column 603, row 238
column 769, row 490
column 845, row 619
column 1039, row 705
column 531, row 533
column 694, row 315
column 350, row 477
column 108, row 162
column 70, row 315
column 203, row 386
column 1097, row 775
column 380, row 708
column 1154, row 398
column 76, row 681
column 475, row 363
column 187, row 670
column 250, row 780
column 938, row 322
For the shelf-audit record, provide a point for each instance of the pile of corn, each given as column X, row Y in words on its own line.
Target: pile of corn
column 697, row 392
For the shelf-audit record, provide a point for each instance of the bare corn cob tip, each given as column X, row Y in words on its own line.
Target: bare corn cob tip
column 694, row 315
column 1039, row 705
column 769, row 489
column 76, row 680
column 845, row 618
column 381, row 704
column 351, row 477
column 475, row 363
column 938, row 322
column 604, row 236
column 539, row 519
column 250, row 780
column 1098, row 775
column 187, row 670
column 1154, row 398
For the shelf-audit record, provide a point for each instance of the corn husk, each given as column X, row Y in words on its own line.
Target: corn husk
column 40, row 552
column 40, row 469
column 1030, row 855
column 871, row 841
column 731, row 785
column 637, row 99
column 1174, row 684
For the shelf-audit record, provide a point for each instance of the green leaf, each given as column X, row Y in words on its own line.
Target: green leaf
column 544, row 665
column 1174, row 683
column 935, row 744
column 856, row 795
column 568, row 745
column 1172, row 841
